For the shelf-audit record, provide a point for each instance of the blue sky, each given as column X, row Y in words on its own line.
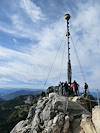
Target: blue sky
column 30, row 34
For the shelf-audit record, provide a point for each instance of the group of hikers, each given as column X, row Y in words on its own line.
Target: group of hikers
column 71, row 89
column 67, row 89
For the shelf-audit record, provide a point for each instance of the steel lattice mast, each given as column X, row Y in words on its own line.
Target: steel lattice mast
column 69, row 69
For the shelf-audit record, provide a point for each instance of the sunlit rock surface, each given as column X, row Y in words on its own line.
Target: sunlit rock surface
column 58, row 114
column 91, row 124
column 96, row 118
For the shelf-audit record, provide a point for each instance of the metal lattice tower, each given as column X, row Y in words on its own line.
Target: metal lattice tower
column 69, row 69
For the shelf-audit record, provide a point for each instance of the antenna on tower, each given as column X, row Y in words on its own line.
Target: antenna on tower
column 69, row 69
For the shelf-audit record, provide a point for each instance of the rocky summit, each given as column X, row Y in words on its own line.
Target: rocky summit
column 59, row 114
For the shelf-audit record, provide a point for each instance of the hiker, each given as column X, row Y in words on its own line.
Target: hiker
column 85, row 89
column 56, row 89
column 75, row 88
column 43, row 94
column 61, row 88
column 71, row 92
column 66, row 91
column 50, row 90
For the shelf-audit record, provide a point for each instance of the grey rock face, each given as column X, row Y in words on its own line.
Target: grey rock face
column 49, row 116
column 96, row 118
column 57, row 114
column 22, row 127
column 91, row 124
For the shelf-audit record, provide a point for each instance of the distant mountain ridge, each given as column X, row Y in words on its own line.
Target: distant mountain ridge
column 13, row 94
column 8, row 94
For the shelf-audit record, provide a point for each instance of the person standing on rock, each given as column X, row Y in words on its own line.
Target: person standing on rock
column 71, row 92
column 61, row 88
column 75, row 88
column 66, row 89
column 85, row 89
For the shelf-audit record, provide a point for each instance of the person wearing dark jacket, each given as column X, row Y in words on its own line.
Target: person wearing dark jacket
column 66, row 91
column 85, row 89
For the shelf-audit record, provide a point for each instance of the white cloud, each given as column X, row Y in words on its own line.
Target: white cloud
column 32, row 10
column 86, row 36
column 19, row 25
column 35, row 63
